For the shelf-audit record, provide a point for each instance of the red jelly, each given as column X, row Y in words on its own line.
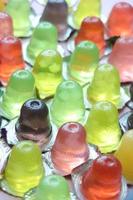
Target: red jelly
column 102, row 181
column 6, row 25
column 92, row 29
column 10, row 57
column 120, row 21
column 122, row 58
column 70, row 149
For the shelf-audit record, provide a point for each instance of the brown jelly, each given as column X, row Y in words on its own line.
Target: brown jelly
column 33, row 123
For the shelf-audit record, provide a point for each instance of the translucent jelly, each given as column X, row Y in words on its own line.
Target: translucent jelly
column 20, row 88
column 68, row 103
column 20, row 16
column 124, row 155
column 86, row 8
column 92, row 29
column 11, row 58
column 103, row 127
column 6, row 26
column 102, row 180
column 24, row 168
column 121, row 58
column 84, row 61
column 105, row 85
column 44, row 37
column 56, row 12
column 120, row 21
column 34, row 123
column 49, row 65
column 53, row 187
column 65, row 154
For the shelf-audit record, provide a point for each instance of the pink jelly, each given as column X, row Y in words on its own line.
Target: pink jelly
column 6, row 25
column 122, row 58
column 70, row 149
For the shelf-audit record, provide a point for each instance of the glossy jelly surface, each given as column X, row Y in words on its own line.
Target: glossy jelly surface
column 65, row 154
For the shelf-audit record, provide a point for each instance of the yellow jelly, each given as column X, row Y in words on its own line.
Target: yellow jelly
column 24, row 168
column 124, row 155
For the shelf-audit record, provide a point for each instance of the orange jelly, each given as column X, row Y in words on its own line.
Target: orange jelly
column 102, row 181
column 92, row 29
column 10, row 57
column 120, row 21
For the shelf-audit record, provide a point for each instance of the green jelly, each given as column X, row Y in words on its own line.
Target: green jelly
column 19, row 10
column 24, row 168
column 103, row 127
column 48, row 72
column 53, row 187
column 44, row 37
column 86, row 8
column 20, row 88
column 84, row 60
column 68, row 103
column 105, row 85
